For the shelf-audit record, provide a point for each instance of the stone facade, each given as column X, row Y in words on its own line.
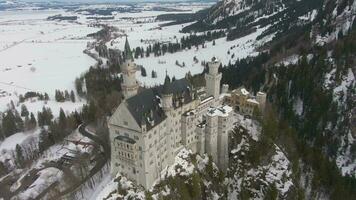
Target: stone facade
column 149, row 128
column 245, row 103
column 129, row 84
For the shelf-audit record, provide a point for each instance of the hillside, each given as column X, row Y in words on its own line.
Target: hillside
column 307, row 147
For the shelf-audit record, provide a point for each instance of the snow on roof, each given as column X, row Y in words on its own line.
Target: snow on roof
column 223, row 95
column 222, row 111
column 244, row 91
column 207, row 100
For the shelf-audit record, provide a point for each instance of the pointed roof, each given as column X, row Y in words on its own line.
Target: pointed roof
column 142, row 104
column 127, row 51
column 166, row 85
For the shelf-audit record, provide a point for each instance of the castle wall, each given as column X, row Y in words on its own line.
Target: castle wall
column 141, row 155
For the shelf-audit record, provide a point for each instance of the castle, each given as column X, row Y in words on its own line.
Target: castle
column 150, row 127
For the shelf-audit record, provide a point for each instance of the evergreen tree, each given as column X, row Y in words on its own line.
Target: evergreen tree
column 46, row 97
column 20, row 159
column 9, row 124
column 62, row 120
column 44, row 141
column 24, row 111
column 79, row 86
column 66, row 95
column 3, row 169
column 154, row 74
column 72, row 96
column 27, row 123
column 20, row 126
column 271, row 193
column 143, row 72
column 33, row 122
column 2, row 136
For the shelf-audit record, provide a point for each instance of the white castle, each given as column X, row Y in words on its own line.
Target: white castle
column 150, row 127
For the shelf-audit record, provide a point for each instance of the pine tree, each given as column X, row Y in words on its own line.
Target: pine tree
column 143, row 72
column 33, row 122
column 66, row 95
column 24, row 111
column 46, row 97
column 27, row 123
column 9, row 124
column 21, row 98
column 20, row 159
column 62, row 120
column 2, row 136
column 44, row 141
column 154, row 74
column 72, row 96
column 20, row 126
column 3, row 169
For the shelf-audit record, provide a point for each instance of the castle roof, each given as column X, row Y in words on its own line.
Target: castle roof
column 146, row 105
column 127, row 51
column 125, row 139
column 222, row 111
column 166, row 85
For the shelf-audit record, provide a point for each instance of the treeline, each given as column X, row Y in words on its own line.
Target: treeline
column 236, row 74
column 101, row 87
column 28, row 95
column 186, row 42
column 52, row 130
column 316, row 132
column 64, row 96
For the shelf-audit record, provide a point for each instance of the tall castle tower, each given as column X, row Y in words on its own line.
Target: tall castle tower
column 129, row 85
column 167, row 102
column 213, row 79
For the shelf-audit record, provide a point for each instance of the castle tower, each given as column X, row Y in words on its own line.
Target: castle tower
column 129, row 85
column 213, row 79
column 167, row 96
column 211, row 135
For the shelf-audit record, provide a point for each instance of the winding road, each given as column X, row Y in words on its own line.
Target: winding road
column 100, row 162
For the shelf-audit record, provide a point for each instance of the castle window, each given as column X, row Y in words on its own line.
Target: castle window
column 136, row 138
column 126, row 123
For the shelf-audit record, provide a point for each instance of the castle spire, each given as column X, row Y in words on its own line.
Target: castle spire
column 166, row 85
column 127, row 51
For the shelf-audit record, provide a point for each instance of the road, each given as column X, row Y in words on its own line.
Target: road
column 100, row 162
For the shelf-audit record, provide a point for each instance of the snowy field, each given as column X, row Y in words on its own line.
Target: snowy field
column 40, row 55
column 225, row 51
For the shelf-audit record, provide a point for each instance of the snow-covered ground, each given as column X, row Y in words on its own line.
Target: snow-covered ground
column 40, row 55
column 238, row 49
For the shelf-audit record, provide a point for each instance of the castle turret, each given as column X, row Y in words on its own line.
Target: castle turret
column 167, row 96
column 213, row 79
column 129, row 85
